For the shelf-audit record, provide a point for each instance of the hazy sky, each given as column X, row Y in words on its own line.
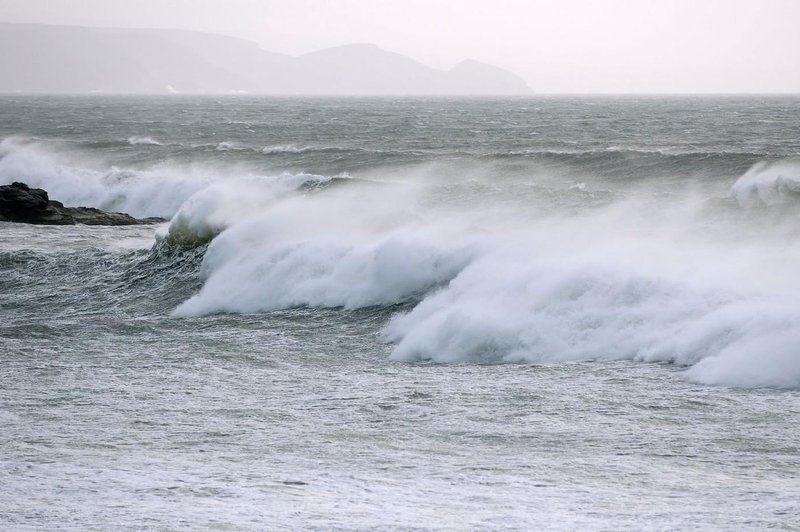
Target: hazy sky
column 557, row 45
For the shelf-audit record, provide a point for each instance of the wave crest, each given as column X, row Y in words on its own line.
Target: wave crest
column 214, row 208
column 504, row 309
column 769, row 184
column 319, row 273
column 624, row 282
column 143, row 141
column 289, row 148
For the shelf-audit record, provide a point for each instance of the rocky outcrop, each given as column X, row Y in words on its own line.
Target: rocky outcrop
column 20, row 203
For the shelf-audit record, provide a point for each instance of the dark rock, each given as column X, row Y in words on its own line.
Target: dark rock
column 20, row 203
column 20, row 198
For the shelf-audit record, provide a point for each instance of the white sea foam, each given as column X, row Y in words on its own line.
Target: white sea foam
column 552, row 297
column 342, row 248
column 143, row 141
column 630, row 298
column 769, row 183
column 289, row 148
column 491, row 281
column 158, row 191
column 628, row 282
column 161, row 190
column 322, row 273
column 215, row 207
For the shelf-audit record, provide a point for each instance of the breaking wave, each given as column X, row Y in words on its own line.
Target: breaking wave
column 218, row 206
column 143, row 141
column 162, row 190
column 628, row 281
column 289, row 148
column 769, row 184
column 469, row 277
column 609, row 302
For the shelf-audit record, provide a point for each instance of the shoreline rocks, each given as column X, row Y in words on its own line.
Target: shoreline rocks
column 23, row 204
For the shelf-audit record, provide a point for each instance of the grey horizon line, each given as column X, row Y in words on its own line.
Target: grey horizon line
column 532, row 95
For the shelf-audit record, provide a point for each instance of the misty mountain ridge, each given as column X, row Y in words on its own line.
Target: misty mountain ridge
column 71, row 59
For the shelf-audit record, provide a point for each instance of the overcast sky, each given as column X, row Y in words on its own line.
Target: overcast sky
column 556, row 45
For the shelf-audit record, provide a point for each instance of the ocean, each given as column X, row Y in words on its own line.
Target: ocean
column 538, row 313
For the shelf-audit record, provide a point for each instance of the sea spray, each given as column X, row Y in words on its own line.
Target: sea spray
column 633, row 280
column 769, row 183
column 209, row 211
column 507, row 264
column 156, row 191
column 162, row 190
column 596, row 304
column 496, row 273
column 340, row 248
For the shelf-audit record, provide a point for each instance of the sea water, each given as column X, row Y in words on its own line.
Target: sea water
column 520, row 313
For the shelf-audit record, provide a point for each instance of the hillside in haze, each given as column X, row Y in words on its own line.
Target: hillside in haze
column 69, row 59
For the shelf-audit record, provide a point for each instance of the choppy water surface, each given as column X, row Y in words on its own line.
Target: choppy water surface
column 540, row 313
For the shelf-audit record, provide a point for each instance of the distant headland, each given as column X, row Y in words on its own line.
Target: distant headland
column 73, row 60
